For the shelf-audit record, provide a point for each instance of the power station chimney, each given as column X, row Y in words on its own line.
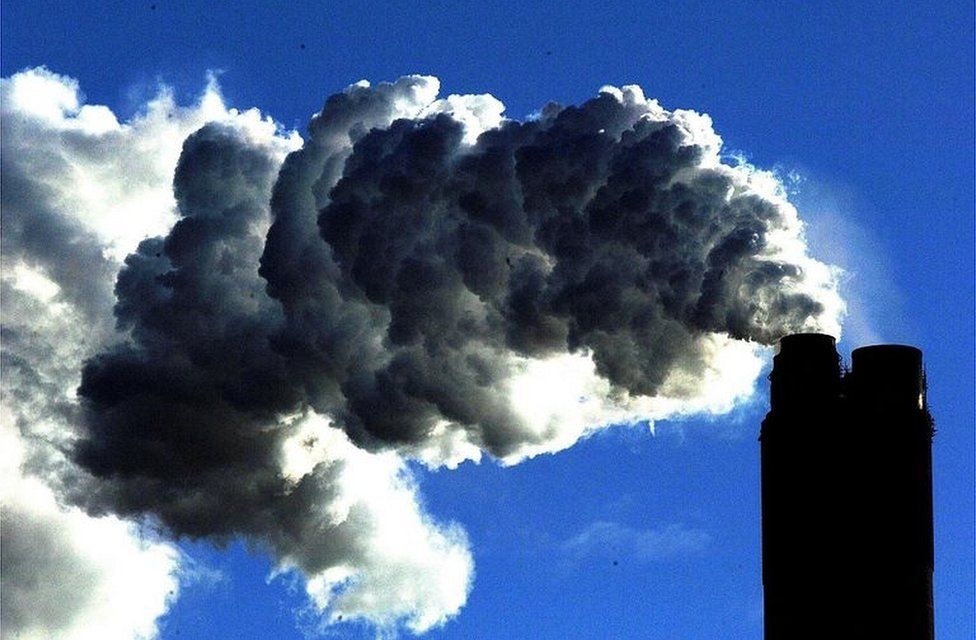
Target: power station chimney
column 846, row 461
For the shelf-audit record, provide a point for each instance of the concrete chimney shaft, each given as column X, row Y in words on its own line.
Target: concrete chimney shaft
column 847, row 494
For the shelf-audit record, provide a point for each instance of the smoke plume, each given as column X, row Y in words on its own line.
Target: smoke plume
column 422, row 279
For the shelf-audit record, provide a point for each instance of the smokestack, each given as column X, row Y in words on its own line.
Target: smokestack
column 847, row 494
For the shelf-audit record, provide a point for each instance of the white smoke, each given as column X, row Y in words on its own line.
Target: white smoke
column 68, row 575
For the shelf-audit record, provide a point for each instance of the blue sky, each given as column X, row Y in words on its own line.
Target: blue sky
column 866, row 107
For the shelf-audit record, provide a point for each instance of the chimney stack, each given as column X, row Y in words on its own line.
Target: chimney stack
column 847, row 494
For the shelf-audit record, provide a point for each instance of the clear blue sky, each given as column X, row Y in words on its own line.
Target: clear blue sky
column 871, row 103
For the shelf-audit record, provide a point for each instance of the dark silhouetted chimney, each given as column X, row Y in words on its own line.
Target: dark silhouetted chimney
column 847, row 494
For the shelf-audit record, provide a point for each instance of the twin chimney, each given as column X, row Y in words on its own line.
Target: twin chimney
column 847, row 536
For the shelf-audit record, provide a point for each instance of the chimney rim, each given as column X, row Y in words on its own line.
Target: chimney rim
column 797, row 341
column 891, row 348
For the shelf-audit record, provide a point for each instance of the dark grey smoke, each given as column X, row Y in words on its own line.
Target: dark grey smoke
column 428, row 265
column 187, row 420
column 181, row 407
column 440, row 261
column 407, row 276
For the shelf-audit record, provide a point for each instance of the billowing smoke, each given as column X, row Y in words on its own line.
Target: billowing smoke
column 423, row 279
column 427, row 255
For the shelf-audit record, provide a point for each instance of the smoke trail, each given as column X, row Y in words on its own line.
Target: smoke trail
column 426, row 279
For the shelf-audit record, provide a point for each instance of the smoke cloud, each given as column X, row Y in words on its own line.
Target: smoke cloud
column 422, row 279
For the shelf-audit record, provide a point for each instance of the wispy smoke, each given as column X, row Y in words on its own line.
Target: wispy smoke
column 421, row 279
column 614, row 541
